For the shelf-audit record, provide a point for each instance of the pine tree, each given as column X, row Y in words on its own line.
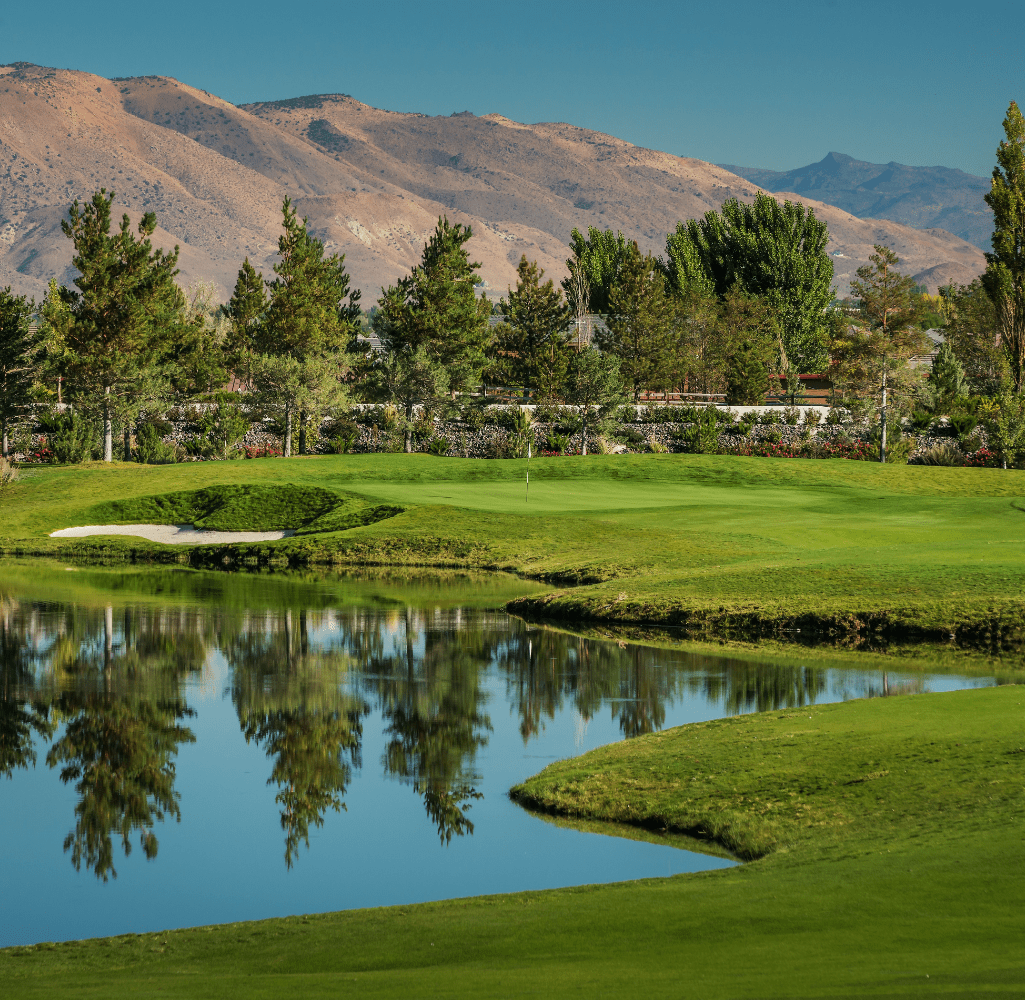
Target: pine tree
column 312, row 314
column 533, row 342
column 126, row 299
column 639, row 323
column 872, row 354
column 947, row 378
column 747, row 376
column 245, row 312
column 1004, row 278
column 595, row 385
column 18, row 348
column 436, row 307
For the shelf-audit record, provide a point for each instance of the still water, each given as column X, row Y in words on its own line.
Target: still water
column 188, row 748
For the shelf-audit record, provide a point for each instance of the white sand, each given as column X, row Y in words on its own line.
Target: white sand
column 172, row 534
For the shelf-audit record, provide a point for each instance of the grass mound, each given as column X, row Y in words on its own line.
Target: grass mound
column 834, row 777
column 284, row 506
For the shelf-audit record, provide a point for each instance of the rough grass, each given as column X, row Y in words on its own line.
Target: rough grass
column 718, row 545
column 895, row 850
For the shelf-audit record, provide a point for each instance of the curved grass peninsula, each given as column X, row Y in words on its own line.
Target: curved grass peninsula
column 720, row 545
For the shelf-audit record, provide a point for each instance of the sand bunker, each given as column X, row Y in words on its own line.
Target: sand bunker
column 172, row 534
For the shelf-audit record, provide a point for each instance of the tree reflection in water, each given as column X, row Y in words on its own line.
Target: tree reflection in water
column 291, row 701
column 303, row 679
column 117, row 691
column 432, row 702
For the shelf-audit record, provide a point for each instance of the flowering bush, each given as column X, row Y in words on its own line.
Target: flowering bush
column 262, row 451
column 983, row 458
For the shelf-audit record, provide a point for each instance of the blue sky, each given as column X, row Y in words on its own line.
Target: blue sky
column 770, row 85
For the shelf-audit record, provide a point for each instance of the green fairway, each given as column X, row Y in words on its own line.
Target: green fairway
column 894, row 832
column 720, row 544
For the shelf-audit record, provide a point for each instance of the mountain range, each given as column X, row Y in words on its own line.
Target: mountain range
column 921, row 197
column 371, row 182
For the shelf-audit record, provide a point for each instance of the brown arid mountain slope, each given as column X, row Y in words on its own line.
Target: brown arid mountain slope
column 372, row 183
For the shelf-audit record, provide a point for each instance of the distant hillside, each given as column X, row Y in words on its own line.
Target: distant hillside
column 372, row 183
column 921, row 197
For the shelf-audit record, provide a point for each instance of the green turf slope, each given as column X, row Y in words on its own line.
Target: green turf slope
column 895, row 832
column 719, row 544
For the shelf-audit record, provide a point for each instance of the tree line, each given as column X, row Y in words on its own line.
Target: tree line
column 742, row 300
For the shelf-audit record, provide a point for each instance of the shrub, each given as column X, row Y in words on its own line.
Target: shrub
column 703, row 437
column 920, row 421
column 150, row 448
column 811, row 418
column 71, row 438
column 656, row 447
column 835, row 417
column 963, row 424
column 556, row 444
column 940, row 454
column 791, row 415
column 769, row 417
column 438, row 445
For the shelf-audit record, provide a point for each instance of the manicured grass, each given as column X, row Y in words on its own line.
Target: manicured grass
column 722, row 545
column 895, row 836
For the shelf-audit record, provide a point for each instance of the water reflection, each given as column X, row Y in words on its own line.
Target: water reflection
column 105, row 686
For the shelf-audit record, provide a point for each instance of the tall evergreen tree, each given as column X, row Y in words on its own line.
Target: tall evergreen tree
column 596, row 386
column 1004, row 278
column 18, row 347
column 245, row 312
column 125, row 302
column 777, row 252
column 972, row 332
column 436, row 307
column 639, row 323
column 871, row 355
column 312, row 315
column 533, row 342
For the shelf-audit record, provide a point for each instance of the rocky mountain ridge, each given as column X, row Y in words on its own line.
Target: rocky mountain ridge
column 372, row 183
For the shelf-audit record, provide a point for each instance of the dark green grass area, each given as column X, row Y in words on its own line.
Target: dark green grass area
column 895, row 832
column 303, row 509
column 720, row 546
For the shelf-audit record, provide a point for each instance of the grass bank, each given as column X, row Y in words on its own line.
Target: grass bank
column 717, row 545
column 889, row 846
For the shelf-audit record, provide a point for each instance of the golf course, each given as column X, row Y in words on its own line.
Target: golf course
column 882, row 841
column 721, row 545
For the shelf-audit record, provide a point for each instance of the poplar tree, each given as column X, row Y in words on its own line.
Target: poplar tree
column 594, row 268
column 436, row 308
column 18, row 347
column 1004, row 278
column 125, row 303
column 532, row 345
column 777, row 252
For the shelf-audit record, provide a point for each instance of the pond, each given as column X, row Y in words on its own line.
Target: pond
column 192, row 748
